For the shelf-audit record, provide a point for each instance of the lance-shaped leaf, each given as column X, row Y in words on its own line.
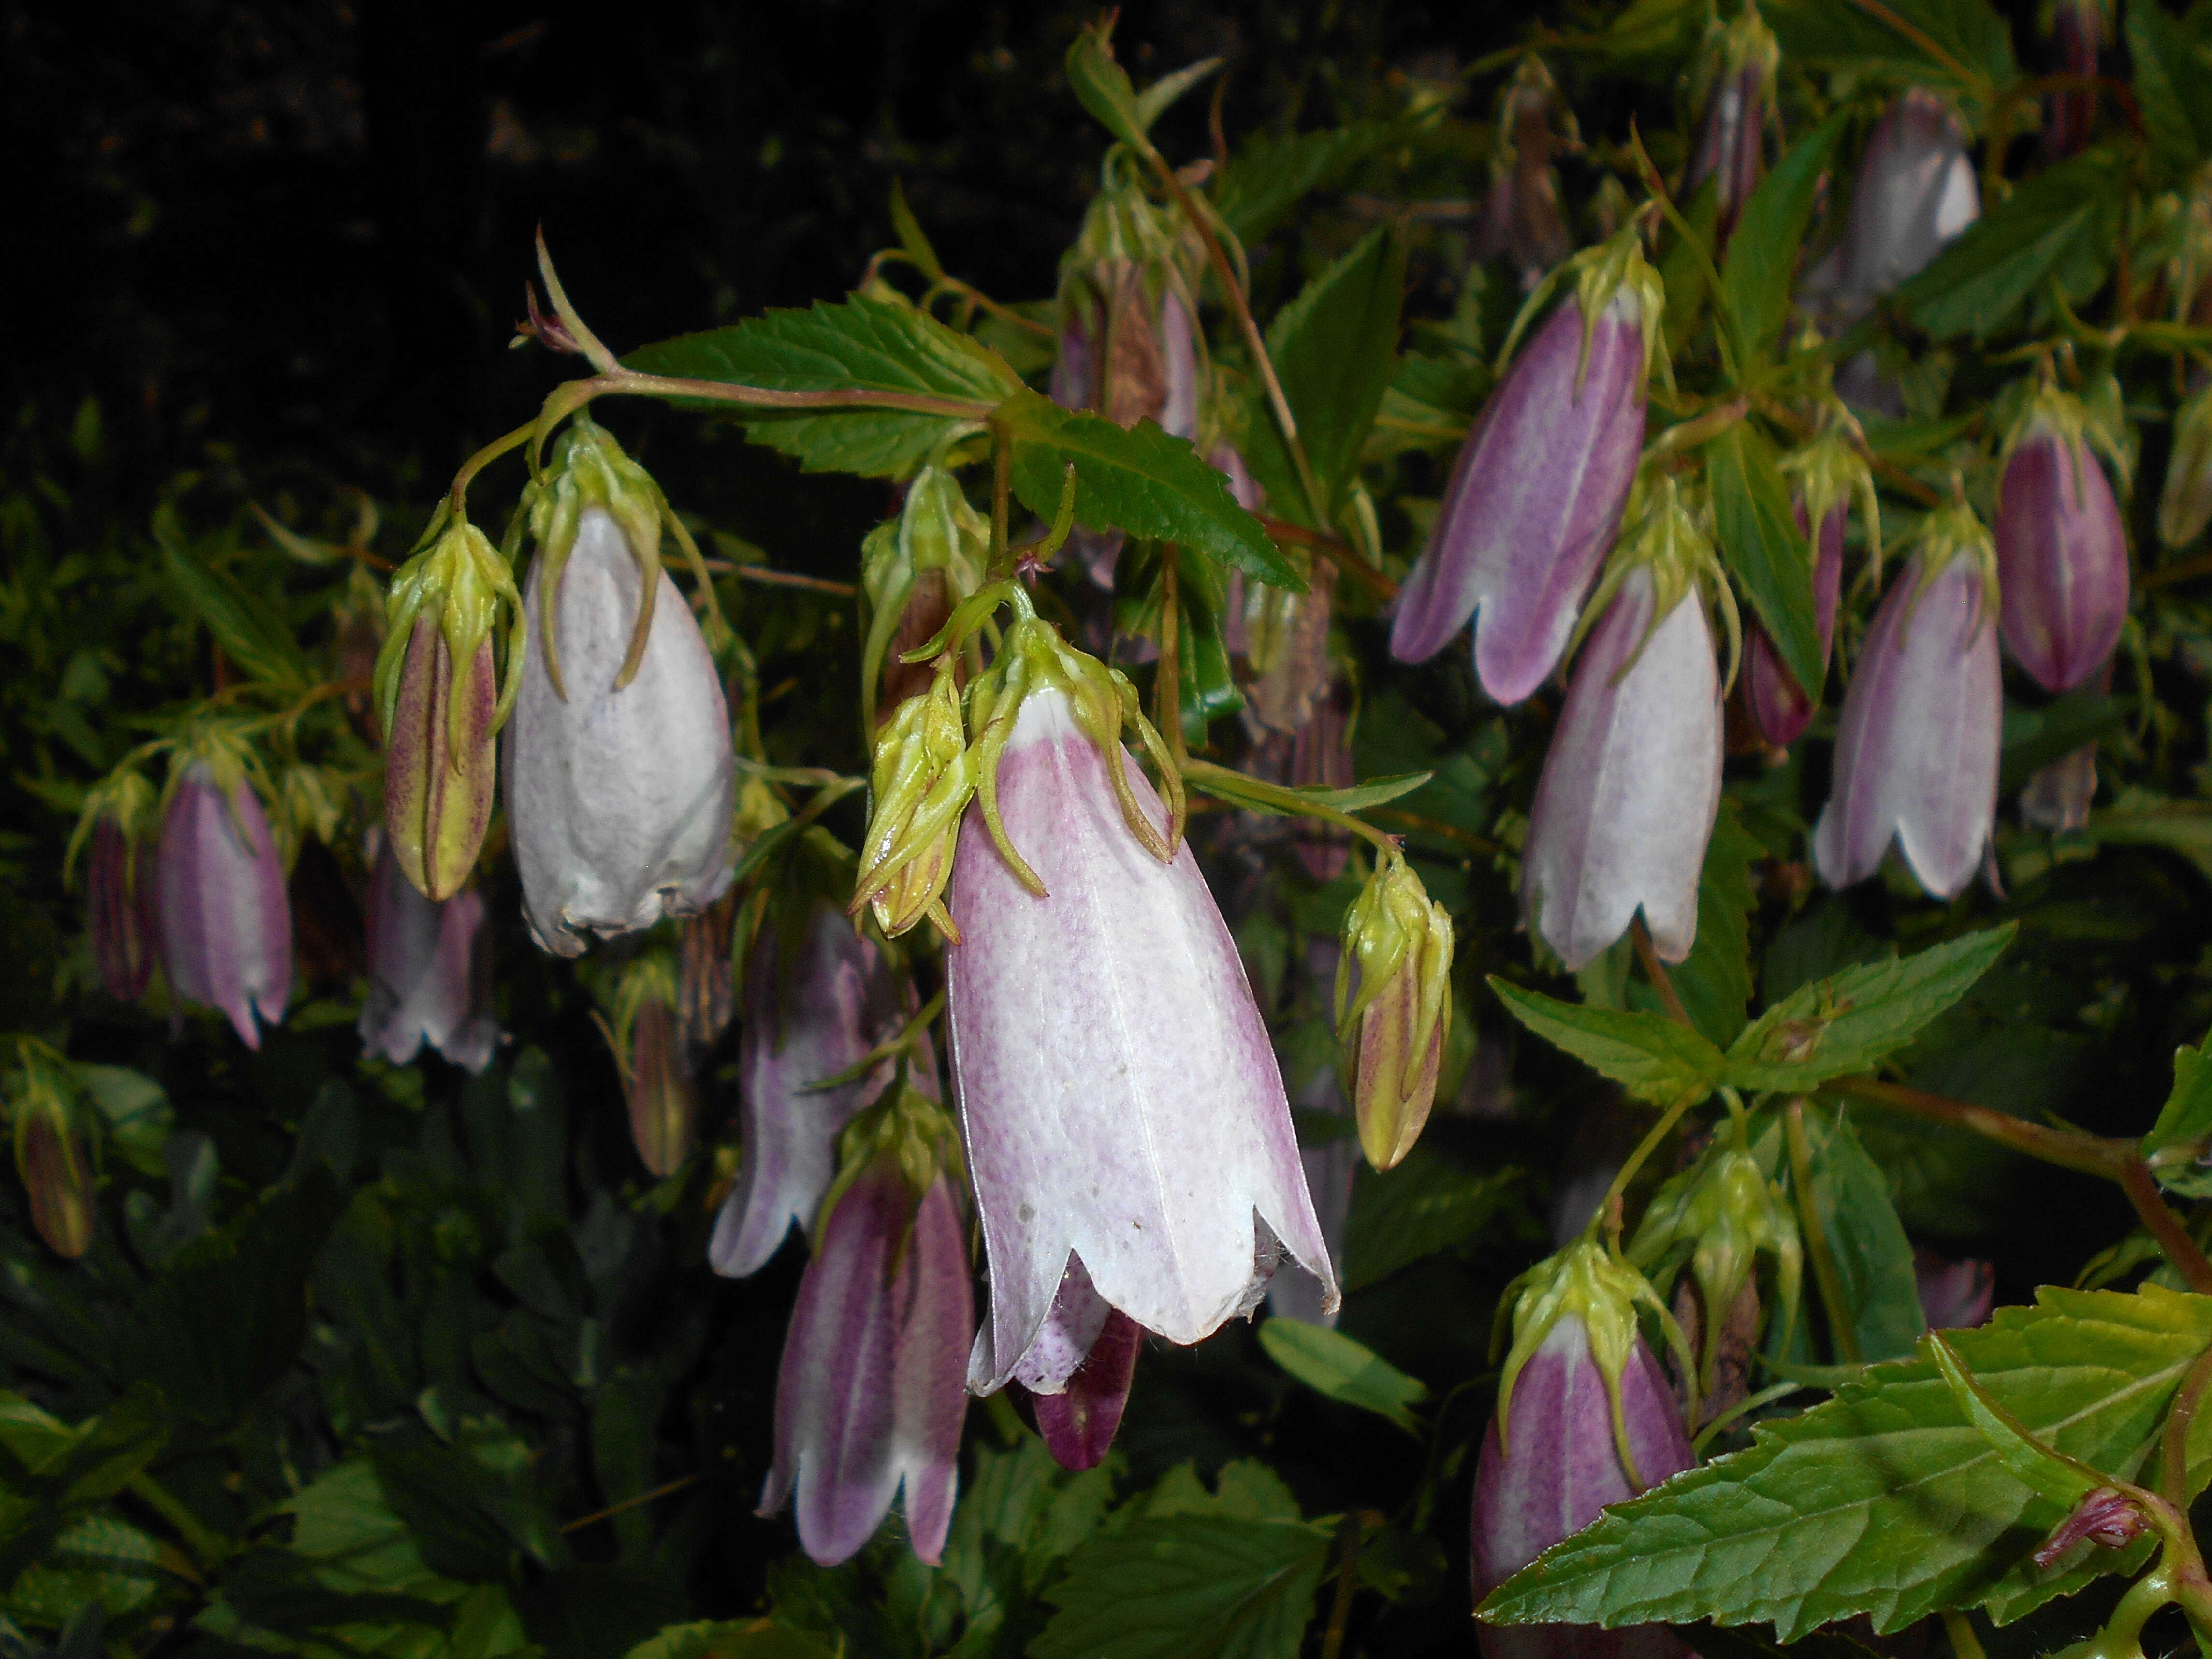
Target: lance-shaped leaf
column 2172, row 88
column 1345, row 1368
column 1653, row 1059
column 246, row 626
column 1759, row 539
column 1762, row 255
column 2175, row 1144
column 1886, row 1501
column 1847, row 1021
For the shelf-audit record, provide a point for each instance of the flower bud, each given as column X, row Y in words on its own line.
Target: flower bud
column 440, row 704
column 619, row 760
column 54, row 1154
column 1522, row 214
column 120, row 913
column 2080, row 30
column 916, row 569
column 2106, row 1518
column 1394, row 1007
column 1630, row 784
column 226, row 920
column 1287, row 642
column 1830, row 472
column 2185, row 505
column 869, row 1398
column 1954, row 1296
column 2057, row 797
column 1539, row 486
column 2062, row 551
column 1127, row 349
column 704, row 1002
column 1915, row 192
column 1735, row 77
column 1597, row 1425
column 429, row 971
column 922, row 778
column 1917, row 748
column 656, row 1072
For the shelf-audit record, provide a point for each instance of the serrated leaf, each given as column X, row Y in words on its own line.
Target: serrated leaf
column 1268, row 176
column 1187, row 1587
column 2176, row 1142
column 1335, row 348
column 1140, row 480
column 1973, row 56
column 1430, row 1202
column 1714, row 982
column 729, row 1640
column 1653, row 1059
column 864, row 345
column 1763, row 547
column 1769, row 233
column 1344, row 1369
column 250, row 633
column 2172, row 88
column 1885, row 1501
column 1866, row 1241
column 2060, row 227
column 1847, row 1021
column 2061, row 1480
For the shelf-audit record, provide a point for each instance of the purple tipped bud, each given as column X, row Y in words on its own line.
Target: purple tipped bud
column 53, row 1154
column 1117, row 1089
column 1779, row 707
column 1915, row 192
column 2185, row 505
column 2080, row 29
column 1078, row 1423
column 647, row 1042
column 869, row 1399
column 1394, row 1007
column 2057, row 798
column 2062, row 551
column 1916, row 749
column 815, row 1006
column 429, row 972
column 1954, row 1296
column 1731, row 146
column 1539, row 486
column 1630, row 784
column 2111, row 1520
column 121, row 910
column 226, row 922
column 619, row 797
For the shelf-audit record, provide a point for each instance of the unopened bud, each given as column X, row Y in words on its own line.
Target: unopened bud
column 120, row 819
column 916, row 569
column 656, row 1073
column 1394, row 1007
column 2110, row 1519
column 705, row 1001
column 52, row 1154
column 923, row 777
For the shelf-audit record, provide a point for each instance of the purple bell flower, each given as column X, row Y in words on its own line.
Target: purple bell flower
column 225, row 921
column 1916, row 751
column 1915, row 192
column 1539, row 486
column 429, row 971
column 1626, row 803
column 1731, row 146
column 2061, row 551
column 1083, row 1363
column 870, row 1397
column 810, row 1013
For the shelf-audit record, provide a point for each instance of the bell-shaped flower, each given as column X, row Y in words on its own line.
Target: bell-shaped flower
column 646, row 1040
column 56, row 1148
column 1917, row 748
column 429, row 971
column 2185, row 504
column 1394, row 1006
column 226, row 919
column 1585, row 1419
column 2062, row 550
column 1119, row 1093
column 619, row 790
column 1630, row 785
column 439, row 705
column 870, row 1394
column 1915, row 192
column 1736, row 78
column 923, row 776
column 1539, row 486
column 1830, row 473
column 1521, row 215
column 121, row 915
column 819, row 998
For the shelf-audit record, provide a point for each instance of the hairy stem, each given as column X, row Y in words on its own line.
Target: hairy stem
column 1655, row 972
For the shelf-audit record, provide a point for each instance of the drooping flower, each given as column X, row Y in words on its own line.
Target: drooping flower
column 870, row 1397
column 818, row 999
column 2056, row 797
column 1584, row 1419
column 1394, row 1006
column 1118, row 1092
column 1539, row 486
column 2061, row 551
column 121, row 914
column 645, row 1038
column 1630, row 785
column 226, row 920
column 619, row 759
column 440, row 705
column 429, row 971
column 1735, row 77
column 1916, row 749
column 1915, row 192
column 1830, row 472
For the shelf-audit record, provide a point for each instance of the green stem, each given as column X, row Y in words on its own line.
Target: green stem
column 1653, row 1139
column 2173, row 1443
column 1841, row 1328
column 483, row 457
column 210, row 1547
column 1724, row 319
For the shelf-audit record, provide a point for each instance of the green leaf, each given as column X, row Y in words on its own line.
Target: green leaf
column 1335, row 349
column 1885, row 1501
column 1345, row 1368
column 1653, row 1059
column 1872, row 1256
column 2033, row 737
column 1759, row 540
column 1188, row 1587
column 1762, row 255
column 2176, row 1142
column 1973, row 54
column 1155, row 100
column 1262, row 797
column 2060, row 228
column 1847, row 1021
column 2062, row 1479
column 864, row 345
column 755, row 1640
column 912, row 237
column 1101, row 86
column 2172, row 88
column 1269, row 175
column 2139, row 818
column 137, row 1111
column 248, row 629
column 1715, row 981
column 1141, row 480
column 1430, row 1202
